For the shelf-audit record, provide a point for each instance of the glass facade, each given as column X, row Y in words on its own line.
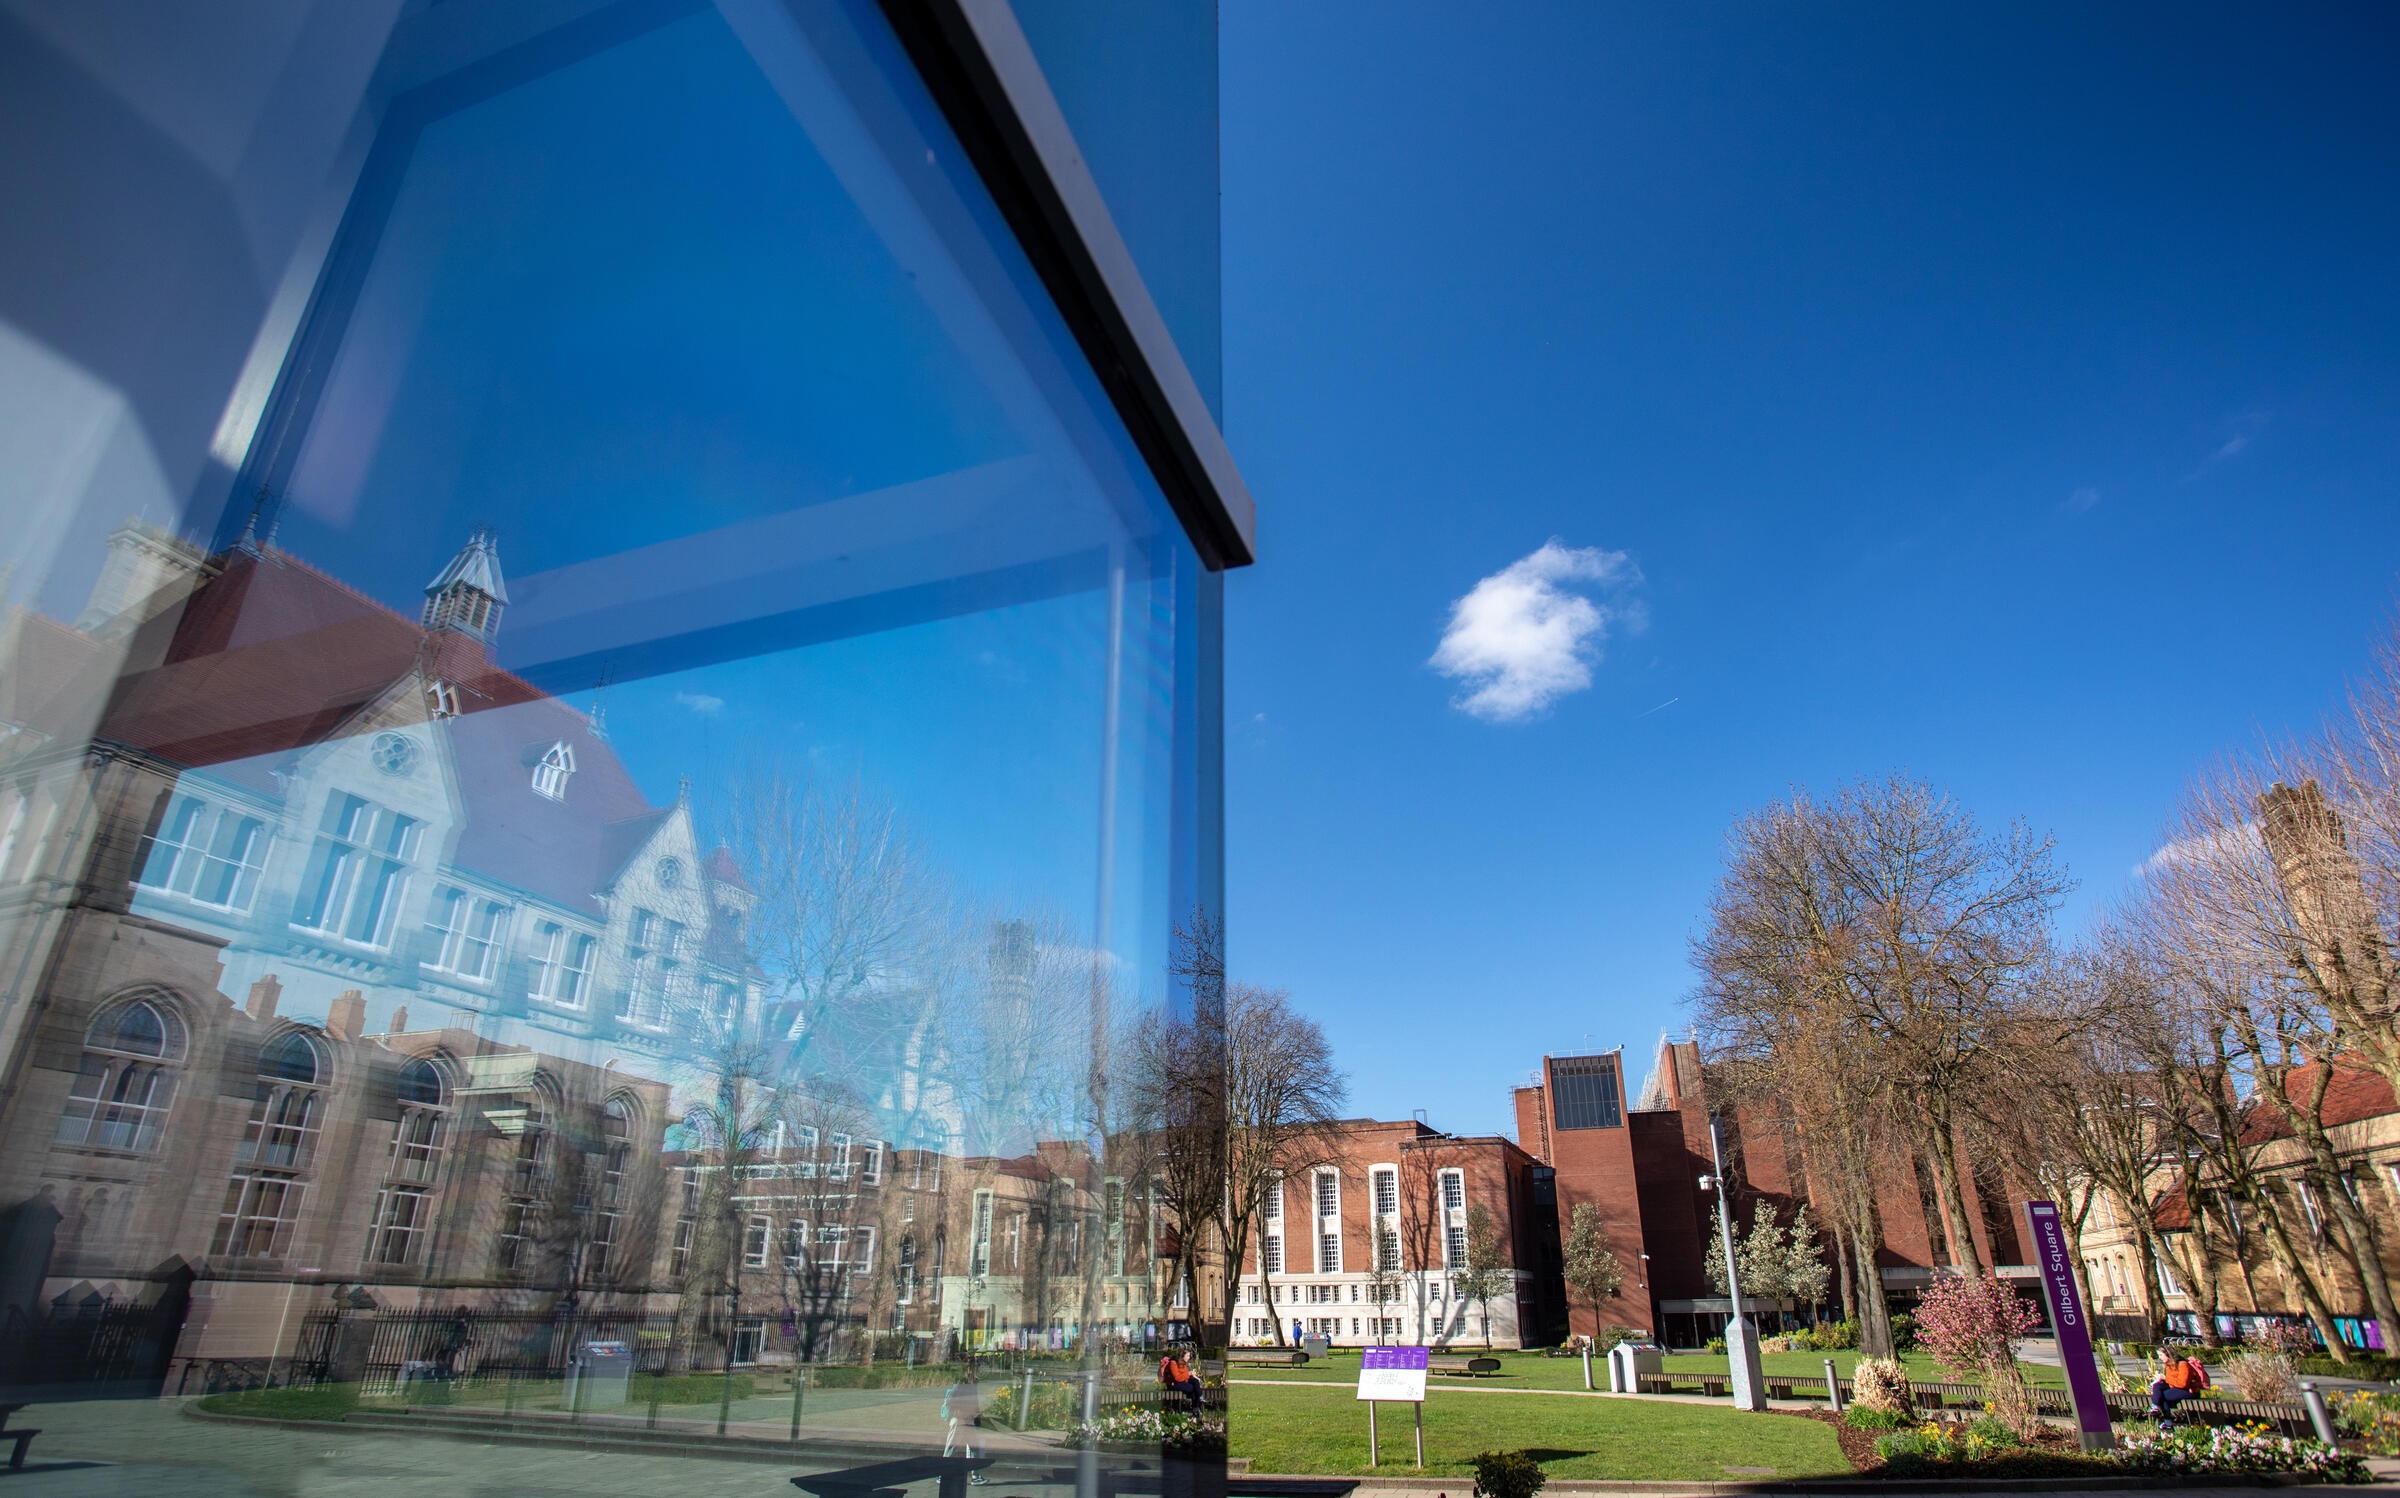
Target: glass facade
column 607, row 746
column 1585, row 1093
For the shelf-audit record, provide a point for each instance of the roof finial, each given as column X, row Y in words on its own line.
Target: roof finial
column 598, row 715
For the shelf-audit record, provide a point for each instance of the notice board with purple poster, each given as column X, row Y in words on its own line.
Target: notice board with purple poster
column 1393, row 1373
column 2067, row 1318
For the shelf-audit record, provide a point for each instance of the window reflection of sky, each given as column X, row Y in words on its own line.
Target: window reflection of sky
column 632, row 316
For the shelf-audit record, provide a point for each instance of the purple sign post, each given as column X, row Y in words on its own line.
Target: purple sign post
column 1396, row 1374
column 2073, row 1327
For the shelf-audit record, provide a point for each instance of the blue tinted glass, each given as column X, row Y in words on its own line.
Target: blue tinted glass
column 660, row 651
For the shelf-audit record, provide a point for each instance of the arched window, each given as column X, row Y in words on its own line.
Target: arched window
column 616, row 1157
column 263, row 1199
column 412, row 1170
column 126, row 1081
column 550, row 776
column 526, row 1209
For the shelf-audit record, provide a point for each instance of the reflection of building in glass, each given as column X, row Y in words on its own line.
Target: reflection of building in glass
column 346, row 817
column 476, row 971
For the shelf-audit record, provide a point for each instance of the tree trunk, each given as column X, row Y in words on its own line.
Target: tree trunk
column 1842, row 1271
column 2287, row 1258
column 1874, row 1310
column 2358, row 1239
column 1963, row 1253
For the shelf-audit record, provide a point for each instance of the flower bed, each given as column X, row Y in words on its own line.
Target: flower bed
column 2250, row 1450
column 1172, row 1432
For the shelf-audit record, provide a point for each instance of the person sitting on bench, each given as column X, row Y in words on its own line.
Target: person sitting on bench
column 1174, row 1373
column 2180, row 1379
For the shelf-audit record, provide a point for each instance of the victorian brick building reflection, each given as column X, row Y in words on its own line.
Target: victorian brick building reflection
column 347, row 960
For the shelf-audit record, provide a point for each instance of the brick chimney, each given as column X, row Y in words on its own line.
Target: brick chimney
column 265, row 994
column 399, row 1022
column 348, row 1016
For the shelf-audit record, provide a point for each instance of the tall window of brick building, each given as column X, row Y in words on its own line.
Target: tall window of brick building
column 1586, row 1093
column 263, row 1198
column 125, row 1084
column 403, row 1212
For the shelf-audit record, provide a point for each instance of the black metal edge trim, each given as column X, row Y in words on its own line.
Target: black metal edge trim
column 981, row 72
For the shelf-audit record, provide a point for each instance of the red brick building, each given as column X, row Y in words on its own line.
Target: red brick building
column 1368, row 1246
column 1639, row 1162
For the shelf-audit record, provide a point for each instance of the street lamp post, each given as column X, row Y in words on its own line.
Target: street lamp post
column 1741, row 1344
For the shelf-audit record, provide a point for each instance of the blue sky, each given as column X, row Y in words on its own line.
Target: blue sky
column 2008, row 398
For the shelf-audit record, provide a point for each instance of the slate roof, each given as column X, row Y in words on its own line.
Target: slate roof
column 272, row 657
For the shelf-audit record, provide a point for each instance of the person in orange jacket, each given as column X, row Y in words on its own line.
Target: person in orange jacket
column 2180, row 1378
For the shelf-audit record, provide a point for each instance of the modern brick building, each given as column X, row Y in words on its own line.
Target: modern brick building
column 1639, row 1161
column 1405, row 1189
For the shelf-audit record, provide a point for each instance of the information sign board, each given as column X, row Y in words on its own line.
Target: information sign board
column 1393, row 1373
column 2073, row 1327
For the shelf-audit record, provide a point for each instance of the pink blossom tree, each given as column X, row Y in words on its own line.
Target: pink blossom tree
column 1971, row 1325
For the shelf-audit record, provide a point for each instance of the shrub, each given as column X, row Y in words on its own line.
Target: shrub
column 1971, row 1325
column 1716, row 1345
column 1868, row 1417
column 2361, row 1365
column 1880, row 1384
column 1995, row 1432
column 1904, row 1332
column 1834, row 1336
column 1785, row 1342
column 1610, row 1336
column 2263, row 1374
column 2372, row 1419
column 2241, row 1449
column 2112, row 1378
column 1507, row 1474
column 2295, row 1340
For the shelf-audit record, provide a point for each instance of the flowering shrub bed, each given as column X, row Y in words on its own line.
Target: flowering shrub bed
column 1174, row 1432
column 2248, row 1449
column 2372, row 1419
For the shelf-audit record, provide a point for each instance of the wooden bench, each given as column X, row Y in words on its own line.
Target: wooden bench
column 1275, row 1357
column 1466, row 1367
column 886, row 1479
column 1664, row 1383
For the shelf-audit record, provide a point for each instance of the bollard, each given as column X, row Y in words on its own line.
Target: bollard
column 1025, row 1398
column 2318, row 1415
column 1833, row 1387
column 1587, row 1365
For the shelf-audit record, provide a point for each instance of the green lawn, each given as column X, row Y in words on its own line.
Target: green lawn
column 1520, row 1370
column 1325, row 1431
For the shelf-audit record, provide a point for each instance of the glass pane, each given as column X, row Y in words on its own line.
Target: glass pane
column 650, row 757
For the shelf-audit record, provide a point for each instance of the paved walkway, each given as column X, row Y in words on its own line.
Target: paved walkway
column 150, row 1449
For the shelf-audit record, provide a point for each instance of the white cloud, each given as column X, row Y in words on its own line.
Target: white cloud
column 702, row 703
column 2082, row 499
column 1528, row 635
column 2224, row 847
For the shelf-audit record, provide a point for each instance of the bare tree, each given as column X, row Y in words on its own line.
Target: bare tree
column 2261, row 896
column 1283, row 1101
column 1777, row 1007
column 1486, row 1272
column 1175, row 1083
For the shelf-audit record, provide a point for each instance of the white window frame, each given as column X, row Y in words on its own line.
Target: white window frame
column 204, row 844
column 557, row 766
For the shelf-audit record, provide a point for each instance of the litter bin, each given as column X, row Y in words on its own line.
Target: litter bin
column 1628, row 1361
column 600, row 1377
